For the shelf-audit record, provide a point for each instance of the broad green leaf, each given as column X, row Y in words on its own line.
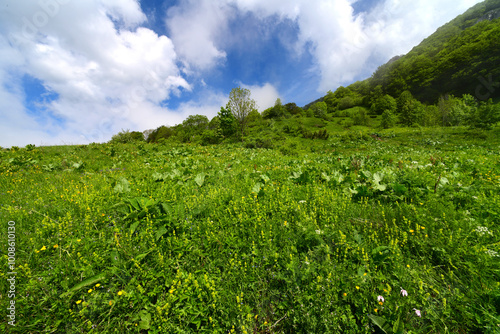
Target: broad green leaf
column 87, row 282
column 398, row 327
column 133, row 227
column 122, row 186
column 256, row 188
column 141, row 256
column 145, row 321
column 158, row 177
column 161, row 231
column 381, row 323
column 325, row 177
column 200, row 179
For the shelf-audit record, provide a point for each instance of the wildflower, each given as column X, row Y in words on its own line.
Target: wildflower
column 90, row 290
column 376, row 310
column 357, row 287
column 417, row 312
column 56, row 246
column 285, row 223
column 110, row 302
column 404, row 293
column 120, row 292
column 97, row 285
column 380, row 299
column 411, row 231
column 78, row 302
column 43, row 248
column 345, row 294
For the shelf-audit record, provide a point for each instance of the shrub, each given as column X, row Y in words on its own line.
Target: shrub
column 485, row 116
column 125, row 136
column 211, row 137
column 388, row 119
column 359, row 117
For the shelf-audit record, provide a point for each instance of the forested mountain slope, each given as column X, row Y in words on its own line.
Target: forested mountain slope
column 458, row 58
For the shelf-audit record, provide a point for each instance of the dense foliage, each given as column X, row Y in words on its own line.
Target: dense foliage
column 460, row 57
column 397, row 229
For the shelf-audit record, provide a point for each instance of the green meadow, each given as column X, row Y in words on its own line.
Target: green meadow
column 389, row 232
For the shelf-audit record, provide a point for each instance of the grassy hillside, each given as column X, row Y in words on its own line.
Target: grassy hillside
column 314, row 236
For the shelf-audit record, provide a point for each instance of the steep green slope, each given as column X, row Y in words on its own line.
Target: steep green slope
column 460, row 57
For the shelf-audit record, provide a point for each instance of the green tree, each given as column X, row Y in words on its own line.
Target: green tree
column 292, row 108
column 214, row 123
column 240, row 104
column 431, row 116
column 346, row 102
column 125, row 136
column 410, row 110
column 254, row 117
column 228, row 123
column 375, row 94
column 485, row 115
column 445, row 105
column 319, row 109
column 193, row 126
column 389, row 119
column 277, row 111
column 196, row 122
column 384, row 103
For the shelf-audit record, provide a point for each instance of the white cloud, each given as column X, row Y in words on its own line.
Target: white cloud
column 109, row 73
column 265, row 96
column 341, row 42
column 196, row 27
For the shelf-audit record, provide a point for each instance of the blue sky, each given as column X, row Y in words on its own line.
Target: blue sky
column 76, row 72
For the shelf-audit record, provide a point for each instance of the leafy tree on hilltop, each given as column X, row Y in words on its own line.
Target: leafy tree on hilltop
column 240, row 104
column 228, row 123
column 319, row 109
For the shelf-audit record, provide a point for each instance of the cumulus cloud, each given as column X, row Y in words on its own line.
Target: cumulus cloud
column 197, row 28
column 342, row 42
column 107, row 71
column 264, row 95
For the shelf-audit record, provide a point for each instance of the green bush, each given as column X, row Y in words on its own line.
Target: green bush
column 485, row 116
column 211, row 137
column 389, row 119
column 125, row 136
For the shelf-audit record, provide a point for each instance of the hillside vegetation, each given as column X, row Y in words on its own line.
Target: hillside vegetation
column 397, row 231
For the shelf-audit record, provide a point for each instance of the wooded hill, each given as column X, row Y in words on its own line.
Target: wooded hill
column 461, row 57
